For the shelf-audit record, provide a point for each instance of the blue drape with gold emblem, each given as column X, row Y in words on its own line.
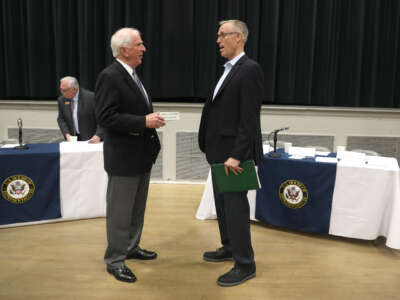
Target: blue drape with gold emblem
column 30, row 184
column 296, row 194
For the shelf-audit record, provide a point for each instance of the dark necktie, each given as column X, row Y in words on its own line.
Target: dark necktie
column 140, row 86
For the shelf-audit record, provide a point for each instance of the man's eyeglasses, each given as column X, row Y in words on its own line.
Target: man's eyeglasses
column 222, row 35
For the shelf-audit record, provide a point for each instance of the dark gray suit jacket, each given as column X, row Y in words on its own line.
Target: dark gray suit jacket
column 230, row 124
column 130, row 148
column 86, row 116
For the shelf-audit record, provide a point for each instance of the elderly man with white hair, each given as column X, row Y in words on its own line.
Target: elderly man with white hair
column 131, row 146
column 76, row 112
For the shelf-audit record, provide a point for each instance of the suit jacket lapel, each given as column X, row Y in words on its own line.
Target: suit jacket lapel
column 129, row 80
column 232, row 73
column 67, row 106
column 80, row 104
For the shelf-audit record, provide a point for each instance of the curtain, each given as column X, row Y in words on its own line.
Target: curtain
column 313, row 52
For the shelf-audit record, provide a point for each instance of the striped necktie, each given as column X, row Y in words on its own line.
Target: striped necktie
column 140, row 86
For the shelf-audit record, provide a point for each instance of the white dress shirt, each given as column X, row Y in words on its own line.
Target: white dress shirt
column 228, row 67
column 75, row 112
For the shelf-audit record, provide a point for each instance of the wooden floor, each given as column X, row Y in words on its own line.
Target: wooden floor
column 65, row 260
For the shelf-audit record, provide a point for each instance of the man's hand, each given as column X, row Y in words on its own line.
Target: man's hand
column 94, row 139
column 68, row 137
column 154, row 120
column 233, row 165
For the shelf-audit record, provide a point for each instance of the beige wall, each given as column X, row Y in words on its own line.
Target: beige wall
column 339, row 122
column 34, row 114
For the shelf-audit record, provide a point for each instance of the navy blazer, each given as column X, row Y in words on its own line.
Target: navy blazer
column 230, row 124
column 130, row 148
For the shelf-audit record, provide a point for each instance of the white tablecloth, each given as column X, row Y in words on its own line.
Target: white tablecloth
column 83, row 181
column 366, row 200
column 365, row 203
column 206, row 208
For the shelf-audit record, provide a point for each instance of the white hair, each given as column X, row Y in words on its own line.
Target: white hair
column 71, row 81
column 122, row 38
column 239, row 25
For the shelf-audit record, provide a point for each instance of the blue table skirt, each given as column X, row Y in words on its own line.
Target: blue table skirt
column 296, row 194
column 30, row 183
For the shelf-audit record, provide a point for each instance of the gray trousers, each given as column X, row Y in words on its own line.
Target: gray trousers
column 126, row 204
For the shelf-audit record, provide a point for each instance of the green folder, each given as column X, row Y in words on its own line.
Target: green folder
column 247, row 180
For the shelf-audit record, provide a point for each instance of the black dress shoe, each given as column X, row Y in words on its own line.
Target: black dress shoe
column 237, row 275
column 122, row 273
column 142, row 254
column 220, row 254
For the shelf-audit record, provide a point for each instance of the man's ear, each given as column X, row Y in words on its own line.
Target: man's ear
column 122, row 51
column 240, row 39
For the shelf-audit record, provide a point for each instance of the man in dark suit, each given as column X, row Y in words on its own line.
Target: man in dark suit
column 131, row 146
column 76, row 112
column 230, row 133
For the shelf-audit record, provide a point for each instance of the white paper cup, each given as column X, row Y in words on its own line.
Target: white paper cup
column 287, row 147
column 340, row 148
column 73, row 138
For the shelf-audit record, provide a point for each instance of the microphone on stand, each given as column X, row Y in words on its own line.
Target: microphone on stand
column 20, row 146
column 276, row 154
column 281, row 129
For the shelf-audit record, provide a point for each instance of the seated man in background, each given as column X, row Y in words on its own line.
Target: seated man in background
column 76, row 116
